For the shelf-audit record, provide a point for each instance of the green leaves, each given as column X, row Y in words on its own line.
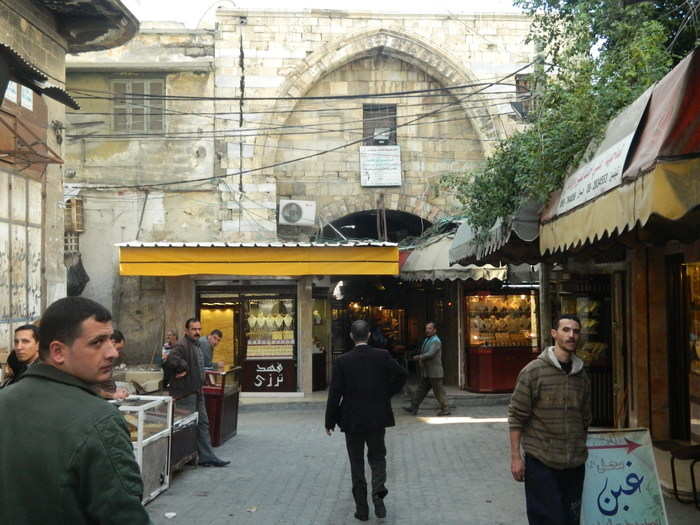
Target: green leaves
column 601, row 57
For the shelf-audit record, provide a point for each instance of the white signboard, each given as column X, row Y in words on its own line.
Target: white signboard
column 380, row 165
column 11, row 92
column 27, row 98
column 621, row 485
column 594, row 178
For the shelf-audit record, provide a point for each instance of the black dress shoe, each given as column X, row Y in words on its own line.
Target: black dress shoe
column 215, row 463
column 379, row 508
column 411, row 410
column 362, row 516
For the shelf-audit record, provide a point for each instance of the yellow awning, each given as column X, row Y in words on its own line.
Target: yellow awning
column 265, row 259
column 670, row 192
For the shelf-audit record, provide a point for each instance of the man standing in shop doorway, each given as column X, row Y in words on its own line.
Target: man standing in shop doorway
column 549, row 415
column 207, row 344
column 430, row 372
column 359, row 401
column 186, row 364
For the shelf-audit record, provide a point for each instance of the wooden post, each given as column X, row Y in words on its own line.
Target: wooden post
column 545, row 309
column 461, row 357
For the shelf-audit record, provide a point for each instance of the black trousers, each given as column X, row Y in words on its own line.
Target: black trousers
column 553, row 497
column 376, row 457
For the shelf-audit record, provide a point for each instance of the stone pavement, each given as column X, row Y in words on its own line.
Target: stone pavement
column 285, row 470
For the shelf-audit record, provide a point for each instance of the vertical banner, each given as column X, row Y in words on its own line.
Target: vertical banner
column 622, row 484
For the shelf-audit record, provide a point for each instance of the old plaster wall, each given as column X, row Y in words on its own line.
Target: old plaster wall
column 299, row 53
column 31, row 31
column 113, row 172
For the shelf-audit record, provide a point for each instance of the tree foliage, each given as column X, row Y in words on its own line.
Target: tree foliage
column 598, row 57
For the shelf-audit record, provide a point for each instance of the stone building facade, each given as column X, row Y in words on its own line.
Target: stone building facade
column 34, row 39
column 216, row 169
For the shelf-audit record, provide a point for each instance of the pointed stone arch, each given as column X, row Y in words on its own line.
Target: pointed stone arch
column 339, row 208
column 409, row 48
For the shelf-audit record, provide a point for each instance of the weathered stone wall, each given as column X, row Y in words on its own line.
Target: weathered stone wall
column 320, row 52
column 31, row 31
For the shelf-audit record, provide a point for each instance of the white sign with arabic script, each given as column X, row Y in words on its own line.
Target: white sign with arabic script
column 594, row 178
column 380, row 165
column 622, row 484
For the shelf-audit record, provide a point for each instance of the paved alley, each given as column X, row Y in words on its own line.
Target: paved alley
column 287, row 471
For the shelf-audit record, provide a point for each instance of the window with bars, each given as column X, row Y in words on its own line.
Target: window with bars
column 379, row 124
column 523, row 92
column 71, row 242
column 138, row 104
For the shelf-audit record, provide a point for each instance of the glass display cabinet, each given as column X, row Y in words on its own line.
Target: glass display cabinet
column 502, row 339
column 149, row 420
column 270, row 343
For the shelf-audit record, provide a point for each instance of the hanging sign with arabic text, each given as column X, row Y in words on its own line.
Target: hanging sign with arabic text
column 596, row 177
column 622, row 484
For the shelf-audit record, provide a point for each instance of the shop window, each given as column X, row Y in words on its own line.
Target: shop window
column 74, row 217
column 138, row 105
column 379, row 124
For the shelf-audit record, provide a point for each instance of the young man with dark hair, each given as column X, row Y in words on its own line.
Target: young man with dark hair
column 25, row 351
column 207, row 344
column 359, row 401
column 548, row 416
column 430, row 372
column 66, row 454
column 108, row 389
column 185, row 365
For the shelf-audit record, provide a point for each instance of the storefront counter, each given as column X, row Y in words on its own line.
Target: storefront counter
column 221, row 395
column 495, row 369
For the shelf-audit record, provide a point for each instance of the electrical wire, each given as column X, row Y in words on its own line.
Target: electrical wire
column 394, row 94
column 312, row 155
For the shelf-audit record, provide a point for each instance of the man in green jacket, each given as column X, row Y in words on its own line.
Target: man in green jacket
column 548, row 416
column 65, row 453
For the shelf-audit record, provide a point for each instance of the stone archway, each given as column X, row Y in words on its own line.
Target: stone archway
column 341, row 207
column 405, row 47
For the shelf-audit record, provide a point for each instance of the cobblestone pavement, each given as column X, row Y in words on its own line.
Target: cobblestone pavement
column 285, row 470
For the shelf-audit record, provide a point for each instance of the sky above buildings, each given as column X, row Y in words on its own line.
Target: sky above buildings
column 198, row 13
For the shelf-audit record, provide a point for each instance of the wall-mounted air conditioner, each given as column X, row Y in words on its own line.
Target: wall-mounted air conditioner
column 297, row 213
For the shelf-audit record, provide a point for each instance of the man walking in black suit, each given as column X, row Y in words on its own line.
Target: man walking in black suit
column 359, row 402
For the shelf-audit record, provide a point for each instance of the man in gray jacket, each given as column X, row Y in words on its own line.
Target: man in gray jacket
column 430, row 372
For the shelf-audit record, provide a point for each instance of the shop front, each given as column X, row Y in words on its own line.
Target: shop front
column 270, row 300
column 637, row 202
column 502, row 338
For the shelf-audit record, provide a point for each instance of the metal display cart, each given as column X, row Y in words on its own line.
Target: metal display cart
column 184, row 437
column 150, row 422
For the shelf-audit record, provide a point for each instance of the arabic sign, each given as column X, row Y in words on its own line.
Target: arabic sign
column 269, row 375
column 380, row 165
column 622, row 485
column 594, row 178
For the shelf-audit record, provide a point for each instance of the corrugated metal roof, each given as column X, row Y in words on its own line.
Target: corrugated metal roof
column 272, row 244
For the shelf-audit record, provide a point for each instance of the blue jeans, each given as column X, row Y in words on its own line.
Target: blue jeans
column 553, row 497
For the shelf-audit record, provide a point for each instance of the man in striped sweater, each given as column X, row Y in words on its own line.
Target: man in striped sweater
column 548, row 417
